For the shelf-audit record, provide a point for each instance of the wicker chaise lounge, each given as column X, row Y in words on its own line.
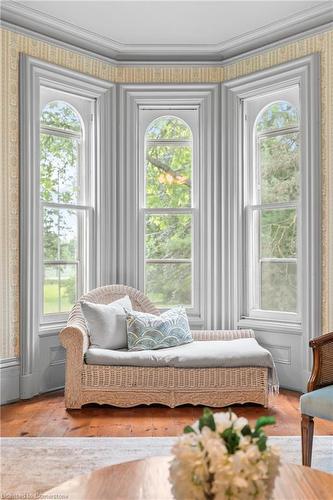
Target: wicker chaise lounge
column 127, row 386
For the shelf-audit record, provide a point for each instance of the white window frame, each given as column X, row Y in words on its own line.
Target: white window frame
column 34, row 74
column 205, row 98
column 303, row 72
column 252, row 109
column 85, row 206
column 189, row 115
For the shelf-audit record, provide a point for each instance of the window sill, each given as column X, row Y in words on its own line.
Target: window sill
column 271, row 325
column 51, row 329
column 9, row 362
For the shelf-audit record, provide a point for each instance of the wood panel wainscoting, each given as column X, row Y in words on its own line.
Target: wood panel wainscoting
column 46, row 416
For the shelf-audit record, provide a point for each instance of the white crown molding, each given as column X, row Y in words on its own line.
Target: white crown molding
column 143, row 63
column 273, row 32
column 25, row 17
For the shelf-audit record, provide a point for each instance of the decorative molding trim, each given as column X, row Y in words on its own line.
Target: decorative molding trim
column 30, row 19
column 144, row 63
column 270, row 326
column 50, row 330
column 5, row 363
column 276, row 356
column 288, row 27
column 279, row 43
column 33, row 73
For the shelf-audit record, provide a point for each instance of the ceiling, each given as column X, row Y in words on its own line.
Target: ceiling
column 168, row 29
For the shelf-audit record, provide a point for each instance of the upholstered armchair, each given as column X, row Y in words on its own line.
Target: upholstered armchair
column 318, row 401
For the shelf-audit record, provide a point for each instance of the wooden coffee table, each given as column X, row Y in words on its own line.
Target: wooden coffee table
column 148, row 480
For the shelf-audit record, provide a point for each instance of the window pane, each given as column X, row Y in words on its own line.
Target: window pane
column 279, row 286
column 68, row 286
column 59, row 169
column 168, row 176
column 60, row 282
column 60, row 115
column 60, row 237
column 51, row 289
column 279, row 166
column 278, row 233
column 168, row 236
column 278, row 115
column 168, row 127
column 169, row 284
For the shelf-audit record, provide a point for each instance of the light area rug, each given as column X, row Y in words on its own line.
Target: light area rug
column 30, row 466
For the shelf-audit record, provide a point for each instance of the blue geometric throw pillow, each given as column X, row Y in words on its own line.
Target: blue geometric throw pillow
column 147, row 331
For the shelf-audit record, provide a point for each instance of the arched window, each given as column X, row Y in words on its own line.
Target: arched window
column 168, row 211
column 274, row 207
column 63, row 210
column 277, row 150
column 277, row 115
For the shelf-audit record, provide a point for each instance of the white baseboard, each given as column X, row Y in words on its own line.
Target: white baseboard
column 10, row 382
column 29, row 385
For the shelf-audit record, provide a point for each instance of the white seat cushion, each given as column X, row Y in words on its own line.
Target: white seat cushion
column 203, row 354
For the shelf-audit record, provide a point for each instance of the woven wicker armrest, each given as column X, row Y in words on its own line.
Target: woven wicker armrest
column 322, row 370
column 74, row 338
column 222, row 334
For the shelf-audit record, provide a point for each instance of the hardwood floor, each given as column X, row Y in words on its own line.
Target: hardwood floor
column 46, row 416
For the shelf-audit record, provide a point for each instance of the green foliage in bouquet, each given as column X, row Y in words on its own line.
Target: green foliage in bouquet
column 230, row 435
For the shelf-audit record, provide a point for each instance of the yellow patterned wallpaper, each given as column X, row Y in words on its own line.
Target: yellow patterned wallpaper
column 11, row 46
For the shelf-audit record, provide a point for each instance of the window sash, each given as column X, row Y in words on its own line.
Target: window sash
column 69, row 206
column 168, row 261
column 254, row 260
column 256, row 176
column 273, row 206
column 174, row 211
column 168, row 142
column 58, row 316
column 59, row 132
column 278, row 259
column 85, row 227
column 277, row 132
column 170, row 211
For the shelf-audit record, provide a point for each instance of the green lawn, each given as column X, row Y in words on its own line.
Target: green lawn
column 51, row 299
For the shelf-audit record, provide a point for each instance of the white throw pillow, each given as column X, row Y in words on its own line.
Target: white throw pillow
column 106, row 323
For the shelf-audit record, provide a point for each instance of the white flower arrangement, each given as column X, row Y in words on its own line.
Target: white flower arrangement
column 220, row 457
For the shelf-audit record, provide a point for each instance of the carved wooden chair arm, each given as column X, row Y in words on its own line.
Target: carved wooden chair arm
column 322, row 370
